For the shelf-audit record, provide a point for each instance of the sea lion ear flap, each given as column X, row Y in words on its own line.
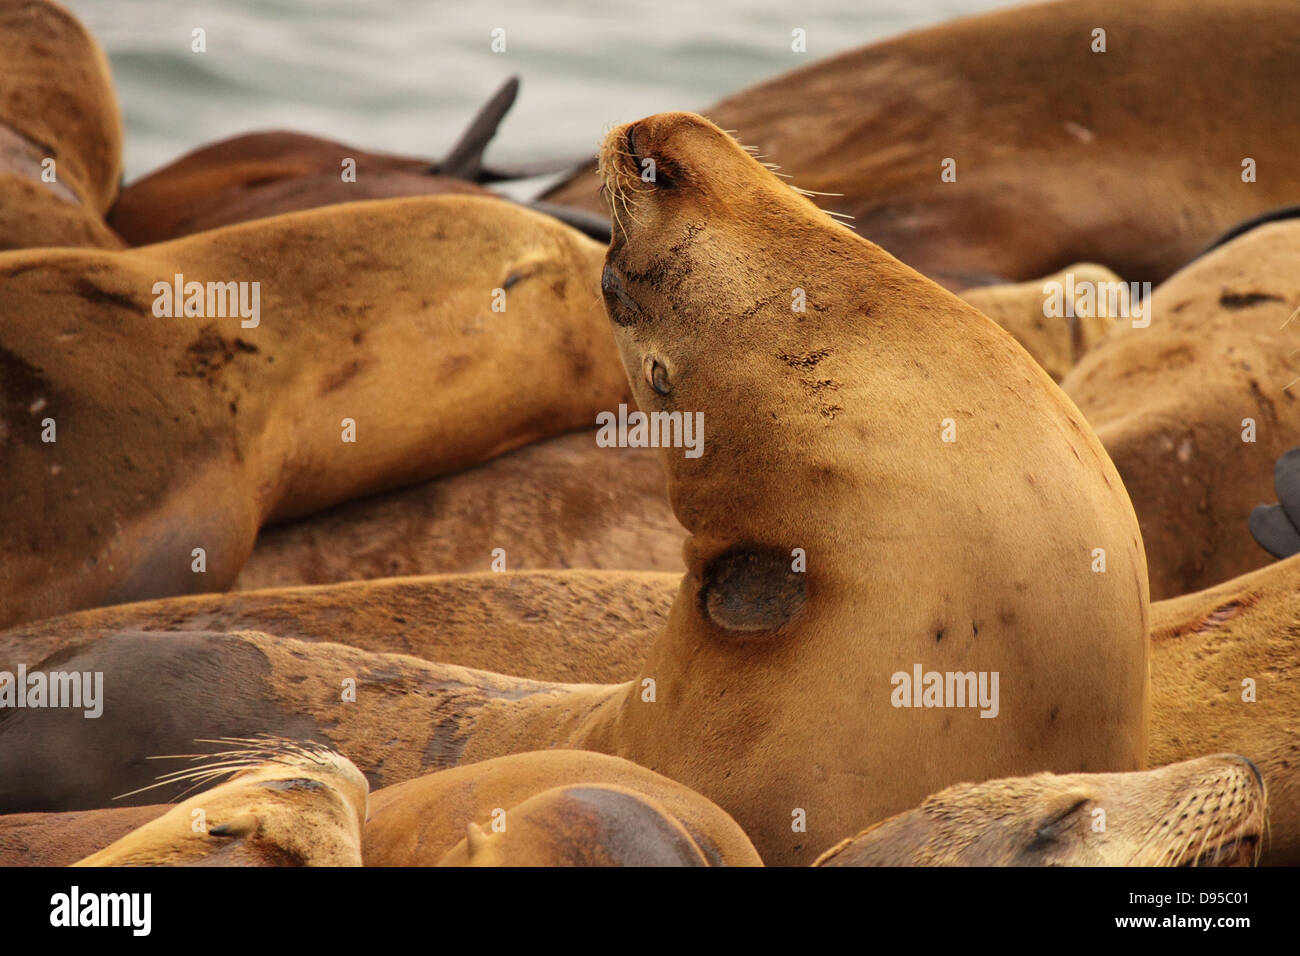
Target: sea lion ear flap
column 751, row 589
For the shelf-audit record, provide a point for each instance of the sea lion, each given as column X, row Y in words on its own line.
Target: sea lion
column 578, row 626
column 1225, row 675
column 1132, row 158
column 375, row 359
column 288, row 804
column 61, row 839
column 1195, row 407
column 1056, row 340
column 560, row 503
column 60, row 130
column 823, row 492
column 258, row 175
column 1207, row 812
column 551, row 808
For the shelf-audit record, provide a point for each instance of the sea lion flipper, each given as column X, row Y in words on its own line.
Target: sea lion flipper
column 1286, row 481
column 465, row 161
column 1273, row 532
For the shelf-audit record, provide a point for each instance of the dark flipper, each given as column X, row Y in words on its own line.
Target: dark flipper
column 1286, row 481
column 1273, row 531
column 585, row 222
column 465, row 161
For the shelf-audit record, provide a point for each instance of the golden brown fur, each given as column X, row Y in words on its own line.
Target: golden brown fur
column 287, row 804
column 1056, row 343
column 588, row 626
column 767, row 692
column 1207, row 812
column 547, row 821
column 189, row 432
column 559, row 503
column 1130, row 158
column 61, row 839
column 257, row 175
column 1170, row 401
column 56, row 102
column 1205, row 647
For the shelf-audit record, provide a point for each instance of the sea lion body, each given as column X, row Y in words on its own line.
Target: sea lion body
column 577, row 626
column 61, row 839
column 293, row 805
column 365, row 332
column 1195, row 408
column 560, row 503
column 551, row 808
column 1206, row 812
column 259, row 175
column 1131, row 158
column 1225, row 675
column 1055, row 339
column 60, row 130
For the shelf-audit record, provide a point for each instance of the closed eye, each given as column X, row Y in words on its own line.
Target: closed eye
column 1049, row 830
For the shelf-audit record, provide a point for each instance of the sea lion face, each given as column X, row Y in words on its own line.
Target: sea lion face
column 837, row 539
column 1206, row 812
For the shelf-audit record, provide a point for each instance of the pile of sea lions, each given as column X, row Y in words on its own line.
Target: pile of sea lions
column 984, row 552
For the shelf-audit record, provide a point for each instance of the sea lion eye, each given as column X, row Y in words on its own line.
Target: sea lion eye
column 1051, row 828
column 656, row 375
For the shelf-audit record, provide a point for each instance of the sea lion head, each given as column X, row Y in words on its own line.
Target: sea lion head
column 838, row 539
column 1205, row 812
column 286, row 803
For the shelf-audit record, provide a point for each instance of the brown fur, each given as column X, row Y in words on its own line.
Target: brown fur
column 560, row 503
column 1056, row 343
column 1207, row 812
column 762, row 717
column 61, row 839
column 547, row 821
column 257, row 175
column 1169, row 402
column 56, row 102
column 548, row 625
column 177, row 433
column 1203, row 647
column 290, row 805
column 1130, row 158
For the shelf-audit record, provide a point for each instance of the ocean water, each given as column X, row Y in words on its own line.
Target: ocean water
column 407, row 75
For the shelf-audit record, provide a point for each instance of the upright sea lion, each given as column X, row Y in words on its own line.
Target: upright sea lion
column 550, row 808
column 560, row 503
column 1225, row 675
column 394, row 341
column 579, row 626
column 288, row 804
column 258, row 175
column 60, row 130
column 1195, row 407
column 823, row 492
column 1008, row 144
column 1055, row 339
column 1207, row 812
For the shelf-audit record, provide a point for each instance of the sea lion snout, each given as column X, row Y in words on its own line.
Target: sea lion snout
column 622, row 308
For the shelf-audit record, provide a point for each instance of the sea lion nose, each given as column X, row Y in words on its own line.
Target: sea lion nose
column 620, row 306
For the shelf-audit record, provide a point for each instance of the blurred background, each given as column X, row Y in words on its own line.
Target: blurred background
column 406, row 76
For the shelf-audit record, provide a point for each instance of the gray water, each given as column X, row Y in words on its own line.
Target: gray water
column 406, row 76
